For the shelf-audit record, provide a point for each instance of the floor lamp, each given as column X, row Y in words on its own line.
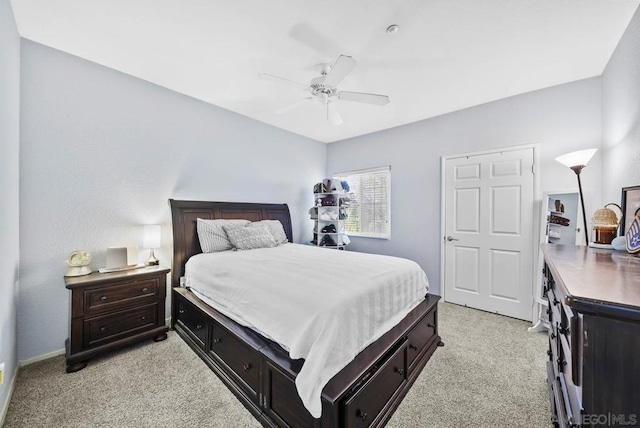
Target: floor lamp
column 576, row 161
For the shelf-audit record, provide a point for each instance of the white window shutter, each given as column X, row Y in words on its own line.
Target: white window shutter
column 369, row 214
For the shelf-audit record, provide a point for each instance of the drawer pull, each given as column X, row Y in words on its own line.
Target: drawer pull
column 198, row 326
column 563, row 330
column 431, row 326
column 553, row 336
column 576, row 353
column 103, row 329
column 362, row 415
column 144, row 317
column 217, row 340
column 399, row 371
column 549, row 352
column 246, row 367
column 103, row 298
column 145, row 289
column 181, row 311
column 561, row 362
column 555, row 302
column 548, row 311
column 412, row 346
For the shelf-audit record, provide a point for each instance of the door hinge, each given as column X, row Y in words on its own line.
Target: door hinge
column 533, row 168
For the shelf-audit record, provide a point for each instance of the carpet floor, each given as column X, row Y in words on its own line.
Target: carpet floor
column 490, row 373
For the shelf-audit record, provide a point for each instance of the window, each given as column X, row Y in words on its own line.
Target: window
column 369, row 213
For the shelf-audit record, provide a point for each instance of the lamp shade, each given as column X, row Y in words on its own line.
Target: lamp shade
column 579, row 158
column 151, row 234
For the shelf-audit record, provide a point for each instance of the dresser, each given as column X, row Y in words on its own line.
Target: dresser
column 593, row 372
column 112, row 310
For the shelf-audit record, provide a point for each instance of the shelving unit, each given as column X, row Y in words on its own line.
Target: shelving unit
column 329, row 226
column 566, row 231
column 554, row 228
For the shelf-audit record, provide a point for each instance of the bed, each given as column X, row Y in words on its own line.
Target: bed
column 259, row 371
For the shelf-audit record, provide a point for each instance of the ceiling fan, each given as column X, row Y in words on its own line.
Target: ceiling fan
column 324, row 89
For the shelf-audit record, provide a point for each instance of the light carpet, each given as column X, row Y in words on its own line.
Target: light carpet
column 491, row 373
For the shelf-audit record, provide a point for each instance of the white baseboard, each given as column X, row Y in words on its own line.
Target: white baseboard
column 42, row 357
column 5, row 405
column 167, row 322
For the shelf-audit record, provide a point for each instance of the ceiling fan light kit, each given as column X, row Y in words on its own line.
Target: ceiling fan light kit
column 324, row 89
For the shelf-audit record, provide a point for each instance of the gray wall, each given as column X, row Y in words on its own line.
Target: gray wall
column 101, row 152
column 561, row 119
column 621, row 115
column 9, row 220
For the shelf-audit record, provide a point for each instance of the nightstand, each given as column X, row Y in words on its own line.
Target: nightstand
column 112, row 310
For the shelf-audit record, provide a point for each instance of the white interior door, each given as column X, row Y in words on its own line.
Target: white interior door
column 488, row 257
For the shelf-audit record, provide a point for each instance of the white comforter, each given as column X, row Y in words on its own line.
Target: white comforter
column 321, row 305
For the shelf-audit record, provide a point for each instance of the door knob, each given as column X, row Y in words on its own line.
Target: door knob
column 451, row 238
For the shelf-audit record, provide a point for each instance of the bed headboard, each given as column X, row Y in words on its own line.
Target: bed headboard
column 185, row 235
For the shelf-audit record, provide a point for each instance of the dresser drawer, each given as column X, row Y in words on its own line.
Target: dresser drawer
column 193, row 321
column 240, row 358
column 369, row 400
column 421, row 334
column 120, row 295
column 115, row 326
column 572, row 392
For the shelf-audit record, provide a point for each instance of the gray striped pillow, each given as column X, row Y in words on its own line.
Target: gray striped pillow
column 250, row 237
column 213, row 237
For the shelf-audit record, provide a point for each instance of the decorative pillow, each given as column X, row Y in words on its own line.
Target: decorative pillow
column 276, row 229
column 250, row 237
column 212, row 236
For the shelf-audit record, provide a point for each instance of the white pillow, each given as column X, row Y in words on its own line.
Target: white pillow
column 250, row 237
column 213, row 237
column 276, row 229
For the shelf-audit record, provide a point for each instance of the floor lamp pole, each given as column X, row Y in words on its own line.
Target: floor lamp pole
column 577, row 170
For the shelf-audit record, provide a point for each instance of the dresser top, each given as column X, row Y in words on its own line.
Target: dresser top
column 597, row 276
column 99, row 278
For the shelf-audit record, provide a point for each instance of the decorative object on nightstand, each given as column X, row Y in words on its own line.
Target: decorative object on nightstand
column 577, row 161
column 78, row 263
column 112, row 310
column 151, row 239
column 121, row 259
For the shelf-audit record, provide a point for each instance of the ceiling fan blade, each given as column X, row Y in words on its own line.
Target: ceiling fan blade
column 294, row 105
column 343, row 66
column 362, row 97
column 332, row 114
column 282, row 80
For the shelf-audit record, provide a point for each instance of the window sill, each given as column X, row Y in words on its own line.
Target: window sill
column 357, row 235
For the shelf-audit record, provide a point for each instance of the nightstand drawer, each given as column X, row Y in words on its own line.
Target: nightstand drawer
column 120, row 295
column 114, row 326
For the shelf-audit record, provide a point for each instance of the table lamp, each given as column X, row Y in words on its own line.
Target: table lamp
column 576, row 161
column 151, row 234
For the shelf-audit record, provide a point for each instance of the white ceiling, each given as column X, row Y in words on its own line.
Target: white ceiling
column 448, row 54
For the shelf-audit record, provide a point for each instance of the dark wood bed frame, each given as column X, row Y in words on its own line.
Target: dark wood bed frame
column 261, row 374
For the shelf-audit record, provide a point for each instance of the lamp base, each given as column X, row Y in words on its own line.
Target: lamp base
column 152, row 260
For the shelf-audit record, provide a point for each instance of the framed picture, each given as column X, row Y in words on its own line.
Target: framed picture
column 630, row 204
